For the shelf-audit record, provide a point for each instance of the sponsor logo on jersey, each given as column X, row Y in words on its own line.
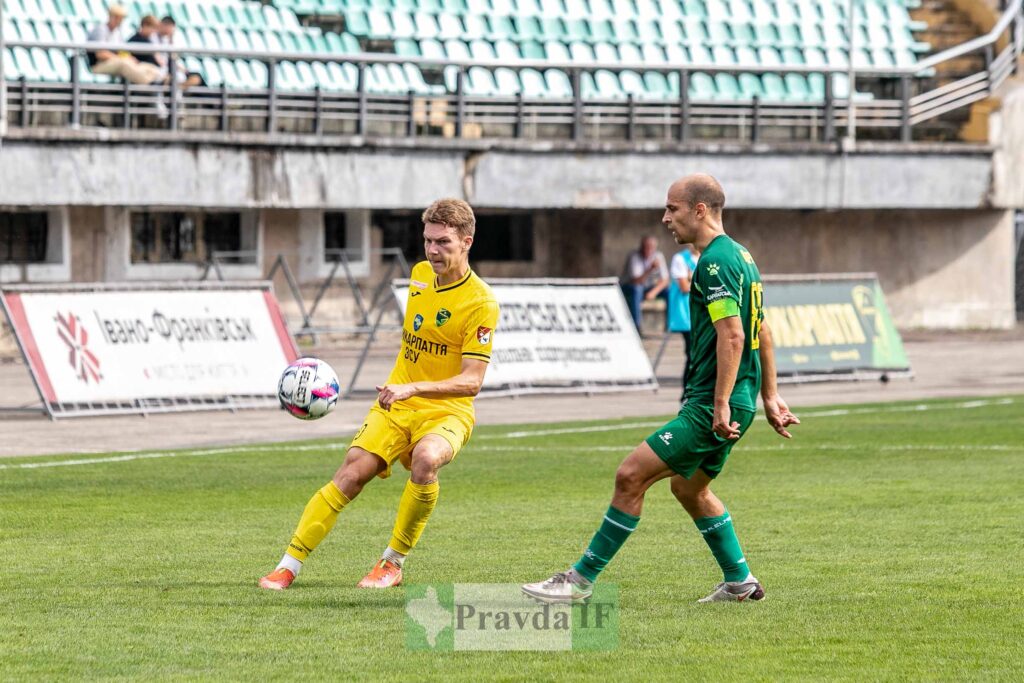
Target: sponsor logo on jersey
column 483, row 335
column 417, row 322
column 746, row 256
column 716, row 293
column 713, row 269
column 443, row 316
column 417, row 284
column 665, row 438
column 412, row 294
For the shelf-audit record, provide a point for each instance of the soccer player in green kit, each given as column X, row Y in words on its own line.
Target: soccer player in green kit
column 731, row 360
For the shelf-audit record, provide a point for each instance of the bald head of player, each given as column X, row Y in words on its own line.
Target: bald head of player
column 693, row 210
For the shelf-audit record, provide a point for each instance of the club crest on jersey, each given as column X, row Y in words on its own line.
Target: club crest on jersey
column 483, row 335
column 417, row 322
column 443, row 316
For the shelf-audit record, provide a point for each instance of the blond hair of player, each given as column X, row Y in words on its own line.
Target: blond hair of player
column 423, row 414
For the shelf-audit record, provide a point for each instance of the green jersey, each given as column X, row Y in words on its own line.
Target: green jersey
column 726, row 283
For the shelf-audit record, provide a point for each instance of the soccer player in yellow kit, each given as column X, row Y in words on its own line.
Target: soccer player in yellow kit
column 424, row 413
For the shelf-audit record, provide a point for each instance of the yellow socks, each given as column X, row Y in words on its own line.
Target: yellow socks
column 317, row 519
column 418, row 501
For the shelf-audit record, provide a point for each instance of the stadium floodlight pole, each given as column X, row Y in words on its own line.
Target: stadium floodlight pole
column 851, row 109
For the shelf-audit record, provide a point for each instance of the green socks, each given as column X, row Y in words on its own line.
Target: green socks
column 615, row 529
column 721, row 538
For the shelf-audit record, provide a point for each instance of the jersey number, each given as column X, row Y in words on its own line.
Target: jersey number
column 756, row 316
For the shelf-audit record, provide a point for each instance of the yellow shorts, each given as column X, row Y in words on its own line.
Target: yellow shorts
column 391, row 435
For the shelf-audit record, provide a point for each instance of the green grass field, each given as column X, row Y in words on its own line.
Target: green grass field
column 889, row 539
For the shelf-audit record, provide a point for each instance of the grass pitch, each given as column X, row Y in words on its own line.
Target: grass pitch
column 888, row 538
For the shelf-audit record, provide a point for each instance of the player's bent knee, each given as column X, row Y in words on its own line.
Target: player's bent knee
column 359, row 468
column 628, row 478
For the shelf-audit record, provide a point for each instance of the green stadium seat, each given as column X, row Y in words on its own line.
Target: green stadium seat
column 481, row 50
column 702, row 86
column 774, row 88
column 533, row 84
column 507, row 50
column 625, row 31
column 456, row 49
column 747, row 56
column 558, row 84
column 660, row 87
column 652, row 54
column 576, row 29
column 750, row 86
column 357, row 23
column 501, row 28
column 633, row 84
column 769, row 56
column 475, row 27
column 581, row 53
column 797, row 88
column 507, row 82
column 405, row 48
column 450, row 27
column 531, row 49
column 432, row 49
column 606, row 53
column 677, row 54
column 672, row 31
column 727, row 87
column 556, row 51
column 402, row 25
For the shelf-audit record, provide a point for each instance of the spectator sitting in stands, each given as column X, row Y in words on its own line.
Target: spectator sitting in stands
column 165, row 36
column 120, row 64
column 147, row 34
column 644, row 276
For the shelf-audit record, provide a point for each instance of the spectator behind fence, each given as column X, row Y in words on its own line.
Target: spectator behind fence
column 165, row 36
column 121, row 64
column 644, row 276
column 682, row 268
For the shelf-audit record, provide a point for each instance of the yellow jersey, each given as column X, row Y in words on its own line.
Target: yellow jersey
column 442, row 325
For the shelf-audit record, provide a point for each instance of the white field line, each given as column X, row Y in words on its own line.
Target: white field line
column 915, row 408
column 152, row 455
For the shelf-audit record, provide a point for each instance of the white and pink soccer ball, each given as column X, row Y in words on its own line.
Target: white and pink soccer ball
column 308, row 389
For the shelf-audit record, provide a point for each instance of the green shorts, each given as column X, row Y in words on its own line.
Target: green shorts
column 688, row 442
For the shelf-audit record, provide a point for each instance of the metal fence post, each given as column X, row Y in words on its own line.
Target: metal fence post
column 410, row 128
column 631, row 121
column 755, row 125
column 172, row 65
column 272, row 96
column 361, row 104
column 577, row 106
column 224, row 107
column 520, row 127
column 684, row 106
column 460, row 101
column 318, row 111
column 828, row 131
column 24, row 101
column 906, row 134
column 126, row 109
column 76, row 93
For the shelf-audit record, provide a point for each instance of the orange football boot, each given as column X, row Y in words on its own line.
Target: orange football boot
column 383, row 575
column 277, row 580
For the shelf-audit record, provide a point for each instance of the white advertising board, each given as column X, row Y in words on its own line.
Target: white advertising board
column 125, row 345
column 570, row 334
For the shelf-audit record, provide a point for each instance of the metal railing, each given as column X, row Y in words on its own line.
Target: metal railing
column 458, row 112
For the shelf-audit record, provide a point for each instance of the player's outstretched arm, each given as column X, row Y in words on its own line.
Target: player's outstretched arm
column 775, row 409
column 467, row 383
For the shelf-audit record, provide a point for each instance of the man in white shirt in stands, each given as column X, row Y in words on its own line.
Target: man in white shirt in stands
column 120, row 64
column 644, row 276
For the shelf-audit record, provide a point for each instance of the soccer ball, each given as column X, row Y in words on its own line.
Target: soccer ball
column 308, row 389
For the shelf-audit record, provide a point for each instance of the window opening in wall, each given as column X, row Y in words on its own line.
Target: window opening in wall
column 23, row 237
